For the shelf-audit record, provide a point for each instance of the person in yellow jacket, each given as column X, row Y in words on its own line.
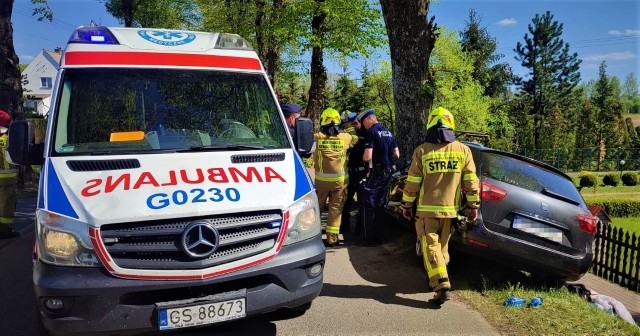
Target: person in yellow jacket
column 8, row 182
column 331, row 177
column 439, row 168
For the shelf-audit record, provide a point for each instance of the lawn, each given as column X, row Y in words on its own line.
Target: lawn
column 629, row 224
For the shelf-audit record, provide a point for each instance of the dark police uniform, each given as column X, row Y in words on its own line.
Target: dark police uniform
column 376, row 188
column 356, row 174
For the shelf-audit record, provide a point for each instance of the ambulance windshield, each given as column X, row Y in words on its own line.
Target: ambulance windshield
column 124, row 111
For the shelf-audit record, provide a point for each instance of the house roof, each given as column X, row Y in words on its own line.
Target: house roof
column 596, row 209
column 56, row 56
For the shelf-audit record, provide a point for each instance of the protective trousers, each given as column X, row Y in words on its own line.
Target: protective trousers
column 375, row 192
column 8, row 182
column 352, row 189
column 434, row 236
column 336, row 193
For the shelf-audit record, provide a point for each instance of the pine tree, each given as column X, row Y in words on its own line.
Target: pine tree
column 553, row 71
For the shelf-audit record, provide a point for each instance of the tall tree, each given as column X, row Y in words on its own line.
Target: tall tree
column 412, row 37
column 630, row 94
column 476, row 41
column 553, row 71
column 10, row 78
column 609, row 113
column 456, row 89
column 153, row 13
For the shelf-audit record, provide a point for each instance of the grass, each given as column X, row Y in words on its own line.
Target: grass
column 629, row 224
column 486, row 287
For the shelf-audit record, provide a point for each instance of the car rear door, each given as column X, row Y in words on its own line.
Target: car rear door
column 528, row 200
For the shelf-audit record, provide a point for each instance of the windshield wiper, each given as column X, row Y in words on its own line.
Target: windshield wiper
column 219, row 148
column 550, row 193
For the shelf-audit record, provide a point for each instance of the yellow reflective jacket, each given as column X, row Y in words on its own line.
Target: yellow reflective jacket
column 330, row 157
column 436, row 174
column 5, row 167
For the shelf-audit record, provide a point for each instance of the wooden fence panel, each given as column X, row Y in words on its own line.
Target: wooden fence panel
column 617, row 257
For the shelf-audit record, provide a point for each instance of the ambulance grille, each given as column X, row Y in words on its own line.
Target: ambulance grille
column 251, row 158
column 158, row 245
column 103, row 165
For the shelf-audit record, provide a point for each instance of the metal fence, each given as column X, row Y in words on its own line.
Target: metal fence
column 590, row 159
column 617, row 257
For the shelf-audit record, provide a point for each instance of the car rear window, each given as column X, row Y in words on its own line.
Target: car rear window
column 525, row 175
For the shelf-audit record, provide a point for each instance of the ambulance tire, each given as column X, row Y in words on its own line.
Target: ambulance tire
column 40, row 329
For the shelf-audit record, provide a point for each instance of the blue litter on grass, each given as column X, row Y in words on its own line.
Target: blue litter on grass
column 513, row 301
column 535, row 302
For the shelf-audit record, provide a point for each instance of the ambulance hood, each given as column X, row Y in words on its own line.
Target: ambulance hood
column 176, row 185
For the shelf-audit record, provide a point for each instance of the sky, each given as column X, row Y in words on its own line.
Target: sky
column 597, row 30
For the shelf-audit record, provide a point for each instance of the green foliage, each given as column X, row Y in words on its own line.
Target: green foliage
column 611, row 180
column 42, row 10
column 456, row 89
column 617, row 207
column 553, row 71
column 588, row 180
column 630, row 179
column 153, row 13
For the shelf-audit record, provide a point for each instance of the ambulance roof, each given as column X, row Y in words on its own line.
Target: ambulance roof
column 146, row 47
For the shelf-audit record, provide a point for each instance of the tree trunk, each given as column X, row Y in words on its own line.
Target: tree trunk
column 10, row 79
column 411, row 40
column 273, row 53
column 316, row 100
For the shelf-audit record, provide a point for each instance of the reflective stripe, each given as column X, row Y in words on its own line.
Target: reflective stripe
column 473, row 198
column 470, row 177
column 8, row 175
column 4, row 220
column 332, row 229
column 328, row 177
column 409, row 199
column 430, row 271
column 414, row 179
column 437, row 208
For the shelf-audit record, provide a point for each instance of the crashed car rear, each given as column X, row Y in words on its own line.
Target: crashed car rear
column 531, row 217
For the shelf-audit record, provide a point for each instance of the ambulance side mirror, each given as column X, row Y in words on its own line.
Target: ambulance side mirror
column 22, row 148
column 304, row 136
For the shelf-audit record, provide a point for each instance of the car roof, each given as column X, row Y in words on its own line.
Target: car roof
column 481, row 148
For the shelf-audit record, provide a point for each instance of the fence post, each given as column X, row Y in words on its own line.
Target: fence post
column 590, row 158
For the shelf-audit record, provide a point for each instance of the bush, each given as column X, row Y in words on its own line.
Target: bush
column 630, row 179
column 611, row 180
column 617, row 207
column 588, row 180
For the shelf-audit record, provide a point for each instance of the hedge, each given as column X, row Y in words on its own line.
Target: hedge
column 617, row 207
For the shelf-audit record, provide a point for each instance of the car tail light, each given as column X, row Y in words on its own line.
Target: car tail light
column 587, row 223
column 491, row 193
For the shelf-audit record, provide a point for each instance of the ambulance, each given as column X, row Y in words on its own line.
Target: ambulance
column 171, row 192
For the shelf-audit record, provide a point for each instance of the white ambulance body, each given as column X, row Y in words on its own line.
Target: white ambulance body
column 170, row 187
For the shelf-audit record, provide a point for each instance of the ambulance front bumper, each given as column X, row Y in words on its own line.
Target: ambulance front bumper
column 93, row 301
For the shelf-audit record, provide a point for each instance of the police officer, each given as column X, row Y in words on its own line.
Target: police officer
column 8, row 182
column 380, row 152
column 438, row 168
column 291, row 112
column 331, row 177
column 355, row 166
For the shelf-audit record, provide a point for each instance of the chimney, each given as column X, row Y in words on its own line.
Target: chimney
column 58, row 50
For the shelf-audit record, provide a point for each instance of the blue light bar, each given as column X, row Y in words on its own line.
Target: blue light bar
column 275, row 224
column 93, row 35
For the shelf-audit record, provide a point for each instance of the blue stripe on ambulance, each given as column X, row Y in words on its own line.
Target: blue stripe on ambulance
column 41, row 190
column 303, row 181
column 57, row 200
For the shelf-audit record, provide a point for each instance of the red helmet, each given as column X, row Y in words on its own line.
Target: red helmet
column 4, row 120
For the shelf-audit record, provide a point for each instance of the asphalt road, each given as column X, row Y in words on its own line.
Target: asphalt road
column 367, row 291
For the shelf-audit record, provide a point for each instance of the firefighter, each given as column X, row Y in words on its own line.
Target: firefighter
column 355, row 167
column 8, row 182
column 440, row 167
column 380, row 152
column 291, row 112
column 331, row 177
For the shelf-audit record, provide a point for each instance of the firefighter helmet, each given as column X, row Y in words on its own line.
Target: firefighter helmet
column 330, row 116
column 441, row 116
column 4, row 121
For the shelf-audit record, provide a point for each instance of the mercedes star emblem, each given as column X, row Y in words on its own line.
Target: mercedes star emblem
column 200, row 239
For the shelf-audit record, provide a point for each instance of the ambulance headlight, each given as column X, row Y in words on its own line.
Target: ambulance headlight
column 63, row 241
column 304, row 219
